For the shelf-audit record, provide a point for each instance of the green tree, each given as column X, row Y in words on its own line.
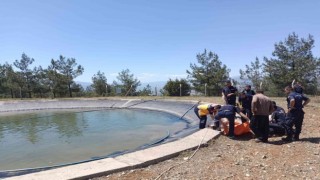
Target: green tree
column 6, row 76
column 99, row 83
column 26, row 74
column 39, row 82
column 70, row 70
column 293, row 59
column 177, row 87
column 128, row 83
column 13, row 81
column 53, row 77
column 77, row 89
column 209, row 75
column 253, row 73
column 146, row 91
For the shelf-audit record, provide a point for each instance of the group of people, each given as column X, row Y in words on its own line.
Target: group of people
column 259, row 115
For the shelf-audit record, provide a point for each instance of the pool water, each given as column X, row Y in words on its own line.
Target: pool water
column 49, row 138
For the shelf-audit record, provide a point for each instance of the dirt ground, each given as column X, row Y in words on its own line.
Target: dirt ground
column 243, row 158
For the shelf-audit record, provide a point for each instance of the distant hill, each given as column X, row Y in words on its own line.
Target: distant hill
column 84, row 84
column 160, row 84
column 157, row 84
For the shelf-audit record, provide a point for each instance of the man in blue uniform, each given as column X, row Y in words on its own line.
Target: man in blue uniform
column 295, row 101
column 278, row 117
column 248, row 90
column 229, row 93
column 229, row 112
column 245, row 101
column 298, row 88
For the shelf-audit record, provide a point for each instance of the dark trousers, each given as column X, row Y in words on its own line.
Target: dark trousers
column 203, row 119
column 276, row 129
column 259, row 124
column 248, row 112
column 231, row 102
column 230, row 116
column 294, row 118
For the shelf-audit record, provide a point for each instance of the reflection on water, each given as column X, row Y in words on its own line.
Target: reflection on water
column 47, row 138
column 32, row 125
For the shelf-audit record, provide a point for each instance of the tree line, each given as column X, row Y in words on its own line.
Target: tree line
column 57, row 80
column 292, row 59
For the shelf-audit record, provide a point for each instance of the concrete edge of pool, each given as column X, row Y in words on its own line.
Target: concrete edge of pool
column 128, row 161
column 137, row 159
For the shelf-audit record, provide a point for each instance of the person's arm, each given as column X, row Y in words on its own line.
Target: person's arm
column 292, row 103
column 224, row 97
column 240, row 100
column 273, row 117
column 244, row 116
column 236, row 92
column 306, row 102
column 212, row 116
column 253, row 105
column 271, row 108
column 230, row 94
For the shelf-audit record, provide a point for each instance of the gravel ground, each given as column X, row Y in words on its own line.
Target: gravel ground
column 243, row 158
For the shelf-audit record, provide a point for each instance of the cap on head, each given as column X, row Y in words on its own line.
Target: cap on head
column 214, row 106
column 228, row 81
column 298, row 88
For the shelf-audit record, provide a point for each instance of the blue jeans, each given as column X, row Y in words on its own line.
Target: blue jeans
column 203, row 119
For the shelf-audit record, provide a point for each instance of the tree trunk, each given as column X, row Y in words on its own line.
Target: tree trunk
column 70, row 91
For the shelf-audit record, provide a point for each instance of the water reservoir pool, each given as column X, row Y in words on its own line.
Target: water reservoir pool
column 52, row 137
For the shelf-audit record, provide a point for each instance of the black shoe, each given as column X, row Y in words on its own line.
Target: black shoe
column 216, row 128
column 258, row 140
column 231, row 137
column 271, row 135
column 288, row 139
column 296, row 138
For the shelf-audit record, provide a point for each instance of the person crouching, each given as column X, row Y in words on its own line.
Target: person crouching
column 229, row 112
column 203, row 110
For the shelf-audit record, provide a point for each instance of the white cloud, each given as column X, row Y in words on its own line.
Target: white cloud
column 147, row 77
column 113, row 74
column 176, row 76
column 150, row 77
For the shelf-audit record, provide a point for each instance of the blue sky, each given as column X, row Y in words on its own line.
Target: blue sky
column 155, row 40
